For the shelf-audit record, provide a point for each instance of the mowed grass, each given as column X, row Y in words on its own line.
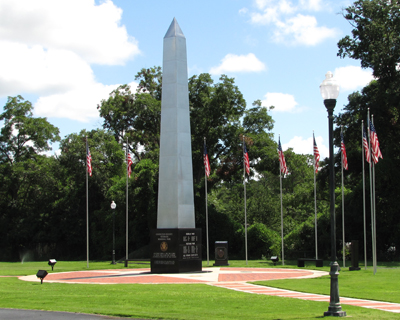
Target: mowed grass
column 169, row 301
column 362, row 284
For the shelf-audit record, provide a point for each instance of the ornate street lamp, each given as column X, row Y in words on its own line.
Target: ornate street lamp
column 113, row 206
column 330, row 91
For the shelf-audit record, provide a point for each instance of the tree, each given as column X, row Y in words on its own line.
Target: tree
column 23, row 136
column 136, row 116
column 70, row 218
column 375, row 38
column 29, row 188
column 375, row 42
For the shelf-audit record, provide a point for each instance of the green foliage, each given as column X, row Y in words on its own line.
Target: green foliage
column 375, row 38
column 262, row 241
column 29, row 182
column 375, row 42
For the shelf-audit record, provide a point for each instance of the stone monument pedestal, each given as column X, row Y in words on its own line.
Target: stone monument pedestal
column 176, row 250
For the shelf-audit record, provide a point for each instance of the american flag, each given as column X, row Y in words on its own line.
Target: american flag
column 282, row 162
column 365, row 145
column 375, row 150
column 206, row 161
column 316, row 155
column 246, row 159
column 88, row 161
column 129, row 163
column 344, row 155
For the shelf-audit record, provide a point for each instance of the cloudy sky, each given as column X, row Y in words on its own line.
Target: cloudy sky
column 65, row 56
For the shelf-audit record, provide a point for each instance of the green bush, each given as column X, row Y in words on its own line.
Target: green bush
column 262, row 241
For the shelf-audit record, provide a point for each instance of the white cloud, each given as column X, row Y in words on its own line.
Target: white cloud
column 91, row 31
column 48, row 47
column 281, row 101
column 241, row 63
column 351, row 78
column 303, row 30
column 313, row 5
column 290, row 24
column 36, row 70
column 77, row 104
column 306, row 146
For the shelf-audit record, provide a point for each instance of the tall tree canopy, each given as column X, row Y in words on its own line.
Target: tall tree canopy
column 375, row 38
column 375, row 42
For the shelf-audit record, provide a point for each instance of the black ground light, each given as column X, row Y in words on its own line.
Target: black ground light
column 274, row 259
column 41, row 274
column 51, row 263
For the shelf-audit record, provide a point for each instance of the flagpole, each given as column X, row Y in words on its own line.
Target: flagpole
column 126, row 222
column 371, row 194
column 315, row 203
column 364, row 217
column 343, row 232
column 87, row 207
column 373, row 173
column 283, row 252
column 205, row 184
column 280, row 181
column 245, row 206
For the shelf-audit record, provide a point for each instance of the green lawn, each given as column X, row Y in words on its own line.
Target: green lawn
column 188, row 301
column 363, row 284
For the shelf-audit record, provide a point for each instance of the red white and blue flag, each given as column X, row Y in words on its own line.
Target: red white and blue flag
column 344, row 155
column 375, row 150
column 282, row 161
column 246, row 158
column 316, row 155
column 88, row 161
column 129, row 163
column 207, row 167
column 365, row 145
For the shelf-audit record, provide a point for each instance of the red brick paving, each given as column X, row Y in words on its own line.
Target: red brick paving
column 260, row 276
column 133, row 279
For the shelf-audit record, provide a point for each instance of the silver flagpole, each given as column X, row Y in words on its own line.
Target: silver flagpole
column 315, row 203
column 343, row 233
column 245, row 206
column 126, row 222
column 87, row 208
column 364, row 216
column 205, row 183
column 280, row 180
column 371, row 193
column 283, row 250
column 373, row 173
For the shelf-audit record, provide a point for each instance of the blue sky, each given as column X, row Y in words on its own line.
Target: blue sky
column 65, row 56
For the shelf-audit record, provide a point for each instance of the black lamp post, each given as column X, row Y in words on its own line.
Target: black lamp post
column 113, row 206
column 330, row 91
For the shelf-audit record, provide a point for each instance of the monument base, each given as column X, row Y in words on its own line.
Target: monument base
column 175, row 250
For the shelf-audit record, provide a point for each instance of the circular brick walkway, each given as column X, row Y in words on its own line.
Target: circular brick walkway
column 208, row 275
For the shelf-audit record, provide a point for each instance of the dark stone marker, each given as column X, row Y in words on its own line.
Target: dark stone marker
column 354, row 256
column 176, row 250
column 221, row 253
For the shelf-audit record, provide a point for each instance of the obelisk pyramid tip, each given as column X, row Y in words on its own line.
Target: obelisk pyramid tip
column 174, row 30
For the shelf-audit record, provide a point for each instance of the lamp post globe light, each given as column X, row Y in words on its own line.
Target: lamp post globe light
column 113, row 206
column 330, row 91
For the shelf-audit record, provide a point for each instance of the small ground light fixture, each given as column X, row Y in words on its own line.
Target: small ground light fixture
column 52, row 262
column 41, row 274
column 274, row 259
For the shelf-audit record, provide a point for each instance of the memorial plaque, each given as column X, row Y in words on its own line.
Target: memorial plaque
column 176, row 250
column 221, row 253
